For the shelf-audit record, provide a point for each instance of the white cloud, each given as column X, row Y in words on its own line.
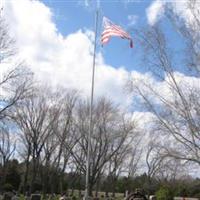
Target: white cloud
column 147, row 83
column 157, row 8
column 143, row 121
column 57, row 59
column 155, row 11
column 132, row 19
column 86, row 3
column 65, row 60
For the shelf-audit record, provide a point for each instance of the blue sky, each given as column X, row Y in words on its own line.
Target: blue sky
column 55, row 40
column 71, row 16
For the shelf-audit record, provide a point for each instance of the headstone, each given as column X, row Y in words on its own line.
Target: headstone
column 152, row 197
column 96, row 198
column 63, row 197
column 27, row 198
column 8, row 196
column 51, row 197
column 36, row 197
column 126, row 194
column 136, row 196
column 15, row 197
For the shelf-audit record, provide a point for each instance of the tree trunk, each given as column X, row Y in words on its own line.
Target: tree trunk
column 45, row 181
column 114, row 179
column 26, row 176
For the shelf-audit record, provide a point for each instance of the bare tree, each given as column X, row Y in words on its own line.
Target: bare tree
column 189, row 29
column 63, row 130
column 161, row 168
column 49, row 157
column 171, row 170
column 111, row 131
column 15, row 79
column 153, row 160
column 135, row 155
column 6, row 42
column 15, row 84
column 34, row 118
column 7, row 149
column 116, row 166
column 176, row 106
column 126, row 161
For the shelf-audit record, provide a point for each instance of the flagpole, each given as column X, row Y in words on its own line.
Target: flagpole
column 87, row 183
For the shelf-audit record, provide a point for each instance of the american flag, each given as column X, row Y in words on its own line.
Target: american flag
column 110, row 29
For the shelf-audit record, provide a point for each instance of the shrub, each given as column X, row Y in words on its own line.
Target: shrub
column 74, row 198
column 7, row 187
column 164, row 193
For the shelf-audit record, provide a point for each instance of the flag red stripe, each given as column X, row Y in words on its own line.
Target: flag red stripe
column 108, row 31
column 111, row 29
column 118, row 28
column 113, row 33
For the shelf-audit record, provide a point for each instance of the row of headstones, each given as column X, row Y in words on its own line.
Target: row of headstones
column 14, row 196
column 8, row 196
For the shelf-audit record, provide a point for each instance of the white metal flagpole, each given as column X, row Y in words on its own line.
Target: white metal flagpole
column 87, row 184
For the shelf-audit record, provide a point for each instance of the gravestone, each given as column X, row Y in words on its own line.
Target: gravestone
column 36, row 197
column 15, row 197
column 63, row 197
column 126, row 193
column 96, row 198
column 27, row 198
column 137, row 195
column 8, row 196
column 52, row 197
